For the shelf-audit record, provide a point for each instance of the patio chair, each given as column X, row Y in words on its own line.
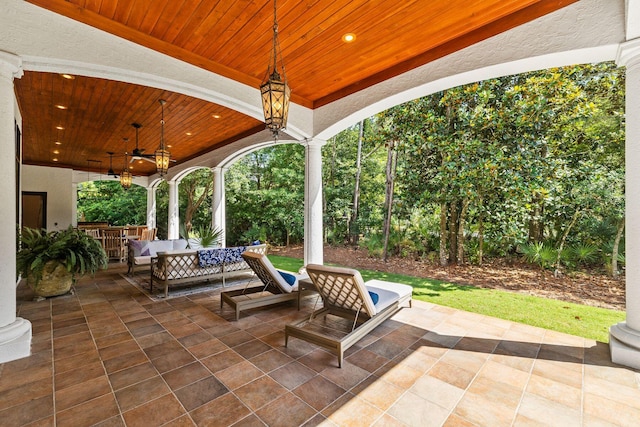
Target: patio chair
column 148, row 234
column 352, row 308
column 113, row 241
column 273, row 290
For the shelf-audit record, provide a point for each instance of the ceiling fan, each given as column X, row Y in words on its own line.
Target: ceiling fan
column 111, row 172
column 137, row 153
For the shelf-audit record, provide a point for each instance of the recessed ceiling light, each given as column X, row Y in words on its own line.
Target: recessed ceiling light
column 61, row 107
column 68, row 76
column 349, row 37
column 58, row 143
column 55, row 159
column 56, row 151
column 140, row 161
column 189, row 134
column 216, row 116
column 60, row 127
column 169, row 146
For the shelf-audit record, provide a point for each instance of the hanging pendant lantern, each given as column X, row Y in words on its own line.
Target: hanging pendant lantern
column 162, row 155
column 126, row 179
column 275, row 91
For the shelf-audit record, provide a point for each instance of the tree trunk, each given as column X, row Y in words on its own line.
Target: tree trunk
column 616, row 246
column 556, row 273
column 480, row 230
column 388, row 197
column 353, row 228
column 461, row 225
column 453, row 232
column 443, row 234
column 536, row 229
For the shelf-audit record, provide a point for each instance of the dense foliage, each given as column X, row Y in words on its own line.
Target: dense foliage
column 108, row 201
column 530, row 165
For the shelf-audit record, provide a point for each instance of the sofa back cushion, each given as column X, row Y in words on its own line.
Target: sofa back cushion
column 152, row 247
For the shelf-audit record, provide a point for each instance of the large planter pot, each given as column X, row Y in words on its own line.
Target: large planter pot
column 56, row 280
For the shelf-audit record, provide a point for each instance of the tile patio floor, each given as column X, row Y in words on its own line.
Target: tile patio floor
column 109, row 356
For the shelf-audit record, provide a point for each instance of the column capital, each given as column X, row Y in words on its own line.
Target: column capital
column 313, row 142
column 11, row 64
column 628, row 53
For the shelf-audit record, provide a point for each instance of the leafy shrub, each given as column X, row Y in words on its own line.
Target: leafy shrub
column 539, row 253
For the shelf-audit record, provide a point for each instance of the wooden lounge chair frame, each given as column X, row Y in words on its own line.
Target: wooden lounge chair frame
column 345, row 295
column 273, row 289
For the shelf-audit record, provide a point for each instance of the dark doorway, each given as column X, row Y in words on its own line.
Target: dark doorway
column 34, row 209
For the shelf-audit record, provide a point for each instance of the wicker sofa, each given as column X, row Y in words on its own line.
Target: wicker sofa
column 141, row 252
column 198, row 265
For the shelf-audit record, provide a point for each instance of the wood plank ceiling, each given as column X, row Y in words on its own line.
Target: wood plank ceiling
column 233, row 39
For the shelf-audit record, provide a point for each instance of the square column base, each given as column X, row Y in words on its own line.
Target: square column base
column 15, row 340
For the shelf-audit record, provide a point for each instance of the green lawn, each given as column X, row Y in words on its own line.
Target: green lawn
column 574, row 319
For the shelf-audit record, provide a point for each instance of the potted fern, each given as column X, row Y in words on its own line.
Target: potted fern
column 50, row 261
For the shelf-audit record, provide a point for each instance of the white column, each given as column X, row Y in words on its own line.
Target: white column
column 151, row 207
column 313, row 239
column 624, row 338
column 174, row 212
column 218, row 204
column 74, row 204
column 15, row 332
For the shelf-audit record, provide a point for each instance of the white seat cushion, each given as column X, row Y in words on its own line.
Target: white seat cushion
column 388, row 292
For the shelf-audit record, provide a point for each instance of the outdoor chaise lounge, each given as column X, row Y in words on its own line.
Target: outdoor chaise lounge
column 276, row 286
column 352, row 308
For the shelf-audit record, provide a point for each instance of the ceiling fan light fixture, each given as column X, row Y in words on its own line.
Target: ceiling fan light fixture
column 275, row 91
column 162, row 155
column 126, row 179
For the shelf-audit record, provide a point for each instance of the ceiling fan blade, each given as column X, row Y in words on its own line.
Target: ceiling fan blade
column 148, row 159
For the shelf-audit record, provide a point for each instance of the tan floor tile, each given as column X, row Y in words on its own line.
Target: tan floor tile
column 239, row 374
column 413, row 410
column 28, row 412
column 555, row 391
column 497, row 392
column 125, row 361
column 89, row 413
column 319, row 392
column 346, row 377
column 260, row 392
column 451, row 374
column 82, row 392
column 132, row 375
column 142, row 392
column 80, row 374
column 154, row 413
column 437, row 391
column 378, row 392
column 200, row 392
column 222, row 360
column 270, row 360
column 627, row 395
column 287, row 410
column 547, row 411
column 399, row 374
column 292, row 375
column 566, row 373
column 174, row 360
column 350, row 410
column 221, row 412
column 611, row 410
column 484, row 412
column 185, row 375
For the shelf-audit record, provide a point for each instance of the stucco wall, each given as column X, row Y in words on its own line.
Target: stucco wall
column 57, row 183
